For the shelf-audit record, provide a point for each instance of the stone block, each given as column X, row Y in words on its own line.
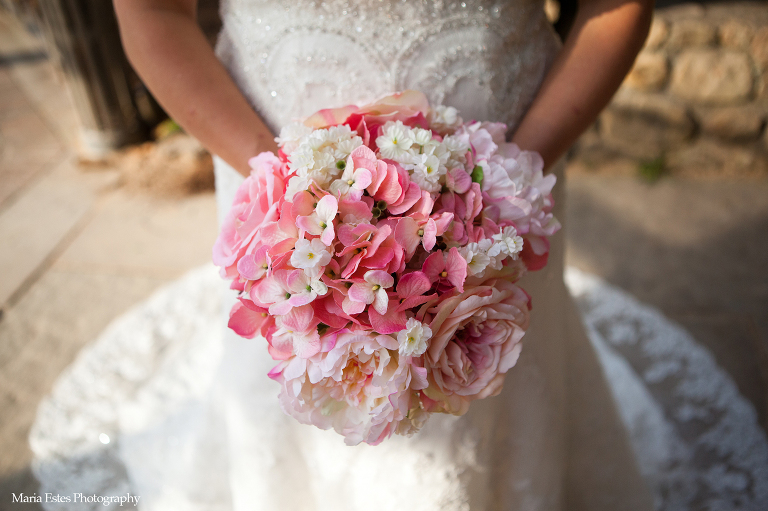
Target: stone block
column 690, row 33
column 684, row 11
column 657, row 34
column 732, row 123
column 712, row 77
column 765, row 138
column 712, row 157
column 649, row 72
column 659, row 106
column 761, row 88
column 735, row 34
column 630, row 135
column 644, row 125
column 759, row 48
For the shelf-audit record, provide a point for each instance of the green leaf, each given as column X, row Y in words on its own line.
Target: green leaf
column 477, row 174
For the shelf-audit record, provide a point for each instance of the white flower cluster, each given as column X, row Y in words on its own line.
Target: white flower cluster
column 491, row 252
column 316, row 156
column 444, row 119
column 426, row 159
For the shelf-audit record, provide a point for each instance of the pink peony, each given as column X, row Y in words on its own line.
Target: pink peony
column 475, row 341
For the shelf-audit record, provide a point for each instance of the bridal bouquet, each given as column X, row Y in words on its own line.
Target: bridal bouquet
column 377, row 254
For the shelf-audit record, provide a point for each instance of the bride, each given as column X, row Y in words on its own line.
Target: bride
column 551, row 440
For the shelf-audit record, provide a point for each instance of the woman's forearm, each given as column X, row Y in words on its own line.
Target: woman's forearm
column 173, row 57
column 597, row 54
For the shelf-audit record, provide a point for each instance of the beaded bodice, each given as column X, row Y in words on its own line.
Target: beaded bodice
column 290, row 58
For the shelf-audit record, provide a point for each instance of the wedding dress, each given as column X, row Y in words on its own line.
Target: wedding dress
column 194, row 421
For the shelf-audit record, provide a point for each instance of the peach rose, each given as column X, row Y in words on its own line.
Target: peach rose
column 475, row 341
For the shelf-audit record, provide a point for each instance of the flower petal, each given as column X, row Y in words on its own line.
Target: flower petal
column 328, row 235
column 406, row 234
column 362, row 178
column 361, row 292
column 381, row 302
column 389, row 323
column 268, row 291
column 457, row 269
column 306, row 346
column 430, row 232
column 299, row 319
column 245, row 322
column 326, row 209
column 413, row 284
column 352, row 307
column 434, row 265
column 380, row 278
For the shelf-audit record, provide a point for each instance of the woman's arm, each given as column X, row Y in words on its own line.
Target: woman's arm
column 597, row 54
column 173, row 57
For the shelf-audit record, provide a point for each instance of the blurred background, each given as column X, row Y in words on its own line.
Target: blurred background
column 103, row 199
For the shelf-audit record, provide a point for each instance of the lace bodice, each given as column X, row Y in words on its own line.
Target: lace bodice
column 290, row 58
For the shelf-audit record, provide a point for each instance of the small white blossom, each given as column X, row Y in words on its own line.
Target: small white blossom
column 426, row 172
column 477, row 260
column 439, row 150
column 456, row 144
column 495, row 261
column 291, row 135
column 413, row 339
column 420, row 136
column 308, row 287
column 303, row 157
column 395, row 140
column 320, row 221
column 444, row 118
column 296, row 184
column 352, row 183
column 345, row 147
column 310, row 254
column 317, row 155
column 507, row 242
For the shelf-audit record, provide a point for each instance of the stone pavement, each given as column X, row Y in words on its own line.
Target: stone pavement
column 77, row 250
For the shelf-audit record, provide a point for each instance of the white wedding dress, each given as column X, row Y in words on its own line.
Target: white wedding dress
column 190, row 417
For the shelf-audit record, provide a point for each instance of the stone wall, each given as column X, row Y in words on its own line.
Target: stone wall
column 697, row 97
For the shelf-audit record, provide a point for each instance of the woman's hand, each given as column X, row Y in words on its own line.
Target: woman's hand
column 173, row 57
column 598, row 52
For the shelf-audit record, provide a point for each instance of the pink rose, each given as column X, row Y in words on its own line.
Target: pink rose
column 257, row 200
column 475, row 341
